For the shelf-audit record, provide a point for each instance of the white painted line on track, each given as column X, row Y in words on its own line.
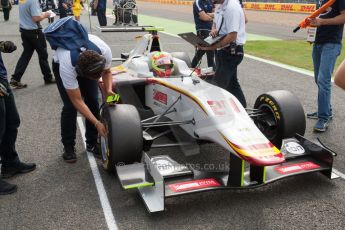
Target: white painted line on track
column 340, row 174
column 108, row 213
column 281, row 65
column 173, row 35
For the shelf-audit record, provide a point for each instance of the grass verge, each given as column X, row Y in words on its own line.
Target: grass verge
column 293, row 52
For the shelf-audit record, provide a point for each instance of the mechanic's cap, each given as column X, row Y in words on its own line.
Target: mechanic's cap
column 162, row 64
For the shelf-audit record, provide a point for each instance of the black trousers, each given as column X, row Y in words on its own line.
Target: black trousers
column 89, row 92
column 6, row 12
column 199, row 53
column 9, row 123
column 102, row 19
column 33, row 40
column 226, row 74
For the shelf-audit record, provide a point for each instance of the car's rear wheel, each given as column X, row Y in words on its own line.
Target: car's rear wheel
column 282, row 116
column 124, row 143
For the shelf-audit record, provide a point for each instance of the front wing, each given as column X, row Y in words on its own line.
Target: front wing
column 160, row 177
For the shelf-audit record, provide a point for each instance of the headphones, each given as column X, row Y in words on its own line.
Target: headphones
column 92, row 69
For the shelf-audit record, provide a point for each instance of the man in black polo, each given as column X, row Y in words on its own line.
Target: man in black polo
column 203, row 18
column 9, row 123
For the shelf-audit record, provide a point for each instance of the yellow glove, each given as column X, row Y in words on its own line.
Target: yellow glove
column 113, row 99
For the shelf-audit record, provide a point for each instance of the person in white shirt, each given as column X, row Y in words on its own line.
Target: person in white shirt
column 77, row 76
column 229, row 22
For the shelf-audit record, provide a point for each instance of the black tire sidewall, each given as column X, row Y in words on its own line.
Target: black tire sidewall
column 287, row 111
column 125, row 141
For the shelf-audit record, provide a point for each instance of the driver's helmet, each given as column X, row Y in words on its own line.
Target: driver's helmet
column 162, row 64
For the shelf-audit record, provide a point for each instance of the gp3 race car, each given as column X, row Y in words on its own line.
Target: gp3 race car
column 264, row 143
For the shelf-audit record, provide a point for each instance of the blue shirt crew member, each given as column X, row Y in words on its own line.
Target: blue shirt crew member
column 203, row 18
column 30, row 15
column 9, row 123
column 229, row 22
column 100, row 6
column 326, row 49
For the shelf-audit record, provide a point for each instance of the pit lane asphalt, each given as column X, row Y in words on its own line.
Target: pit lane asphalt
column 63, row 196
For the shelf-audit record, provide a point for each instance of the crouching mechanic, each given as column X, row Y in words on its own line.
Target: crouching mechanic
column 9, row 123
column 77, row 73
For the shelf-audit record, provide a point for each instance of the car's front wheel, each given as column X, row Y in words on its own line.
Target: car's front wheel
column 281, row 116
column 124, row 143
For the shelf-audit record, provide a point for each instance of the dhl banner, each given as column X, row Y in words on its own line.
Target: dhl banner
column 285, row 7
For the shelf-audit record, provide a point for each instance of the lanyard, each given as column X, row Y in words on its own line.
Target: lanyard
column 221, row 24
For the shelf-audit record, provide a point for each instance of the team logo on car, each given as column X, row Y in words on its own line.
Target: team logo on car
column 294, row 148
column 160, row 97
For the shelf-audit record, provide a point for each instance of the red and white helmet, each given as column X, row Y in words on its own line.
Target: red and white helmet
column 162, row 64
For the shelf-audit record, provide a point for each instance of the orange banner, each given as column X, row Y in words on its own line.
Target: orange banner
column 284, row 7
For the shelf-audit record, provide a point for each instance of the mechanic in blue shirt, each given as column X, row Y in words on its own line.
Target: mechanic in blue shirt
column 229, row 21
column 9, row 123
column 30, row 15
column 326, row 49
column 203, row 18
column 100, row 6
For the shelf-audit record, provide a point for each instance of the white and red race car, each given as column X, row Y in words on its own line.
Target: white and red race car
column 265, row 143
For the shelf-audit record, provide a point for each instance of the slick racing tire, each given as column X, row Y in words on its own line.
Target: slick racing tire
column 124, row 144
column 283, row 116
column 183, row 56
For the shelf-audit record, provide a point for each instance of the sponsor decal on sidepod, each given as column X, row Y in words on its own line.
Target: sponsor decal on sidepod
column 160, row 97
